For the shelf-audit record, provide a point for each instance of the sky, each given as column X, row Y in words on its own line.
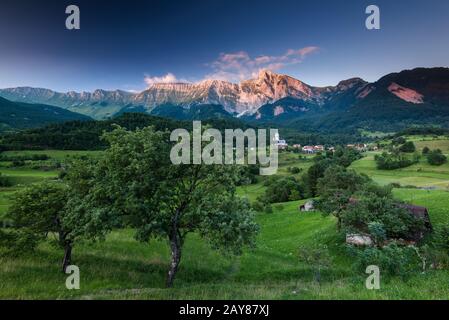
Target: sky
column 132, row 44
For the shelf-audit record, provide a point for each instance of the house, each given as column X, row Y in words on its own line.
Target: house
column 361, row 147
column 359, row 239
column 281, row 144
column 296, row 146
column 358, row 146
column 420, row 213
column 306, row 207
column 313, row 149
column 308, row 149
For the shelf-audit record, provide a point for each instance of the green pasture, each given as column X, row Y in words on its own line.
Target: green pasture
column 122, row 268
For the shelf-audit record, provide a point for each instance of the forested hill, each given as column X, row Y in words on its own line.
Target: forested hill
column 17, row 115
column 85, row 135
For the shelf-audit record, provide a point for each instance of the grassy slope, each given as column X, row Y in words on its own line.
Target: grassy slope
column 122, row 268
column 421, row 174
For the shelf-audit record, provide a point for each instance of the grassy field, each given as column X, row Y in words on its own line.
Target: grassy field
column 419, row 175
column 122, row 268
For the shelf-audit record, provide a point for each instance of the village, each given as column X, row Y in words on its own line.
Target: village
column 312, row 149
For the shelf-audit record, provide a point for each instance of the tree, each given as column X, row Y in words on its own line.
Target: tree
column 378, row 214
column 317, row 257
column 436, row 158
column 4, row 181
column 37, row 211
column 283, row 190
column 60, row 209
column 425, row 150
column 163, row 200
column 336, row 188
column 408, row 147
column 394, row 160
column 398, row 141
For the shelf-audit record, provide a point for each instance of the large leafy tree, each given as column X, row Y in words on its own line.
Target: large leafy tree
column 36, row 212
column 66, row 212
column 163, row 200
column 336, row 188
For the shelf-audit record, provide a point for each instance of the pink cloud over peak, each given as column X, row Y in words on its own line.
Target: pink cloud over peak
column 240, row 65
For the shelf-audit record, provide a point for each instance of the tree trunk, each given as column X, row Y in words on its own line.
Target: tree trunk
column 175, row 246
column 338, row 223
column 67, row 256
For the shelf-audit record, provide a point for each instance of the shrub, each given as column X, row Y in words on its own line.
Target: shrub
column 398, row 141
column 318, row 258
column 18, row 163
column 283, row 190
column 258, row 206
column 408, row 147
column 5, row 181
column 436, row 158
column 392, row 259
column 391, row 161
column 294, row 170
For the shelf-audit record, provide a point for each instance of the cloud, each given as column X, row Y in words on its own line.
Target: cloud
column 168, row 78
column 240, row 65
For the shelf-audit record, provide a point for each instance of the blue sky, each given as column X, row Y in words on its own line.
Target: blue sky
column 130, row 44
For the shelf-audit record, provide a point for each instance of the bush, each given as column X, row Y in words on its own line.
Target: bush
column 408, row 147
column 5, row 181
column 258, row 206
column 398, row 141
column 376, row 212
column 283, row 190
column 436, row 158
column 317, row 258
column 18, row 163
column 294, row 170
column 391, row 161
column 392, row 259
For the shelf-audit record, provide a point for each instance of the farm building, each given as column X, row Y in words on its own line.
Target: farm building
column 312, row 149
column 420, row 213
column 306, row 207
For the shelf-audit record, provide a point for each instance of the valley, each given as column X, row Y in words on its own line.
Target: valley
column 121, row 268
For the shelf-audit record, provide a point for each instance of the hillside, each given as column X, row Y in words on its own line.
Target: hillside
column 15, row 115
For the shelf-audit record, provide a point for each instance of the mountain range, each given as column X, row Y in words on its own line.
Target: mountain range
column 418, row 95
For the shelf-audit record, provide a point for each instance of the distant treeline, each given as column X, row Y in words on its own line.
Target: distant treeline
column 413, row 131
column 86, row 135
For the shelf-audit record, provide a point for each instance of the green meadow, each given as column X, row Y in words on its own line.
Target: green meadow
column 418, row 175
column 122, row 268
